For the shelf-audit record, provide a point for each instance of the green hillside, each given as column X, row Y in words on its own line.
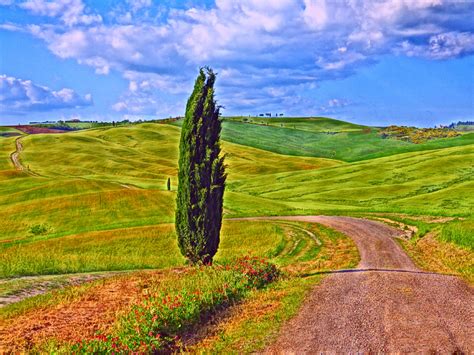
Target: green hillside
column 112, row 177
column 323, row 137
column 435, row 182
column 99, row 199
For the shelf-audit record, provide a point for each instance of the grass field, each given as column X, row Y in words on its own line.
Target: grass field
column 100, row 190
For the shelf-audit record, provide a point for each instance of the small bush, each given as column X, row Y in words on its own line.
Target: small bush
column 157, row 321
column 40, row 229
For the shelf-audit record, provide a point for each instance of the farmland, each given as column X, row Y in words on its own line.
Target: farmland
column 96, row 200
column 101, row 188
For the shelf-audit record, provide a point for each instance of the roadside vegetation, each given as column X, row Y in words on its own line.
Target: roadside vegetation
column 460, row 233
column 167, row 312
column 432, row 253
column 441, row 245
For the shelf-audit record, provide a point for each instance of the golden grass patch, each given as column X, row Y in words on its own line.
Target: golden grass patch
column 434, row 255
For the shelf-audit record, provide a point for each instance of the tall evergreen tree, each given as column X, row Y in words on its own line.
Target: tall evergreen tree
column 201, row 177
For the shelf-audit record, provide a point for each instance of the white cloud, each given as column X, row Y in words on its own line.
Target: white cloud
column 71, row 12
column 338, row 103
column 335, row 105
column 270, row 49
column 17, row 95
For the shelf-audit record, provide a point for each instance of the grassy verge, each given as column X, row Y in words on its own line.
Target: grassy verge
column 432, row 254
column 44, row 301
column 128, row 249
column 256, row 322
column 166, row 312
column 460, row 233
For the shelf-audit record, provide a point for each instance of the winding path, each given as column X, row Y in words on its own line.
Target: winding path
column 15, row 158
column 376, row 309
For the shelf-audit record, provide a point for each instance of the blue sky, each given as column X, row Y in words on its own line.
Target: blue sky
column 368, row 61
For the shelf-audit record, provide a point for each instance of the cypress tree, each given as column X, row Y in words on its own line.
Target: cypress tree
column 201, row 176
column 168, row 184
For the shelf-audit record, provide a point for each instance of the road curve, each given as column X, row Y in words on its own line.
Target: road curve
column 380, row 311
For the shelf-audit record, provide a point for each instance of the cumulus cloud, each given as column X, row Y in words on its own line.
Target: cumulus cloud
column 21, row 96
column 257, row 47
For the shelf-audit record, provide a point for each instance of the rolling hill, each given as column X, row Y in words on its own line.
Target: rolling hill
column 323, row 137
column 97, row 188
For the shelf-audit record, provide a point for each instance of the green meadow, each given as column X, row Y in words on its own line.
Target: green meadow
column 98, row 200
column 324, row 137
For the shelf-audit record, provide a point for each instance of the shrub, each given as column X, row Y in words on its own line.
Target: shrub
column 40, row 229
column 417, row 135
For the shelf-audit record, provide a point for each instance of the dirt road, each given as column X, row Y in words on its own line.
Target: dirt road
column 391, row 308
column 15, row 156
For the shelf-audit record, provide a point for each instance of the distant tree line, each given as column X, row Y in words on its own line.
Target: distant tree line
column 461, row 123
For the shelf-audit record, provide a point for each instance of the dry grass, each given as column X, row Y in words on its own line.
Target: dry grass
column 252, row 324
column 431, row 254
column 337, row 252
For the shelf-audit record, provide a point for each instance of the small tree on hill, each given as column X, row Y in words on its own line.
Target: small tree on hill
column 201, row 177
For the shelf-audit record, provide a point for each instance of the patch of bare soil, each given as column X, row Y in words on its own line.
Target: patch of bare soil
column 78, row 319
column 391, row 308
column 427, row 219
column 37, row 130
column 408, row 231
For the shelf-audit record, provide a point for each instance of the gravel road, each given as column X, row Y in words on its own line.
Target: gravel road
column 394, row 307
